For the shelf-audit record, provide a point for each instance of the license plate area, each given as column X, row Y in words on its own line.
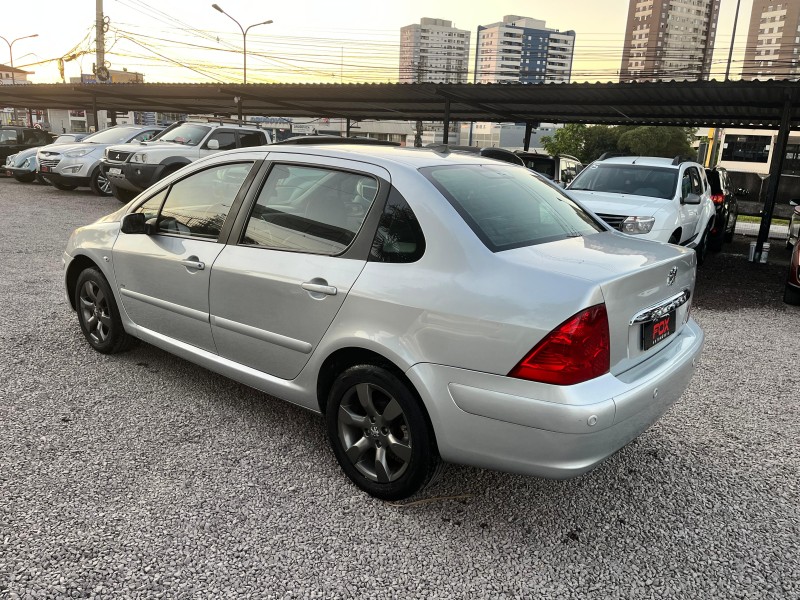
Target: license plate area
column 44, row 169
column 656, row 331
column 114, row 171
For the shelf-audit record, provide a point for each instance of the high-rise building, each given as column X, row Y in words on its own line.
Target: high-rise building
column 524, row 50
column 772, row 40
column 669, row 39
column 433, row 51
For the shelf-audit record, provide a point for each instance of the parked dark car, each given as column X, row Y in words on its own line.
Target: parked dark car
column 16, row 139
column 794, row 224
column 791, row 293
column 722, row 195
column 560, row 169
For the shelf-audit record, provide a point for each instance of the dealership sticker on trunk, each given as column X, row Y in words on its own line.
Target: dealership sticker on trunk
column 658, row 330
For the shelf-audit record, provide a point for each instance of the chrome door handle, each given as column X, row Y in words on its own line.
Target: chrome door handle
column 319, row 289
column 194, row 264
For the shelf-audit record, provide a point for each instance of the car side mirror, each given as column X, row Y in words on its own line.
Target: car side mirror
column 692, row 199
column 213, row 145
column 134, row 223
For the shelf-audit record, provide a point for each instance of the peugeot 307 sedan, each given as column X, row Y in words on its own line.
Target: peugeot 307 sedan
column 433, row 306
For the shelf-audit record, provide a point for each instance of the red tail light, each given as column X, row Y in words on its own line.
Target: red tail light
column 575, row 351
column 718, row 198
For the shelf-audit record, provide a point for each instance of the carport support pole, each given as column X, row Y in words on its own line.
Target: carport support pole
column 446, row 132
column 528, row 130
column 775, row 169
column 347, row 131
column 94, row 112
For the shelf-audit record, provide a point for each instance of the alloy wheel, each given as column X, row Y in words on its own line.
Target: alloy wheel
column 103, row 184
column 95, row 312
column 374, row 433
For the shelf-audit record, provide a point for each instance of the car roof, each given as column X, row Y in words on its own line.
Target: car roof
column 646, row 161
column 385, row 156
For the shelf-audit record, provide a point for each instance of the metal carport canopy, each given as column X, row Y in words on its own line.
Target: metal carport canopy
column 756, row 104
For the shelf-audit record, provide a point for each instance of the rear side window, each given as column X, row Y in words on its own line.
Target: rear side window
column 398, row 238
column 248, row 139
column 508, row 207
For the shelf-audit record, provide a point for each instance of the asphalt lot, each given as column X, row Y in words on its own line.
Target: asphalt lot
column 141, row 475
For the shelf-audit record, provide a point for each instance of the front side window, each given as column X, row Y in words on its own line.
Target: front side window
column 637, row 180
column 226, row 139
column 310, row 209
column 508, row 207
column 197, row 205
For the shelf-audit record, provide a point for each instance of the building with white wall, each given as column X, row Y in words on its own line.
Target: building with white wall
column 433, row 51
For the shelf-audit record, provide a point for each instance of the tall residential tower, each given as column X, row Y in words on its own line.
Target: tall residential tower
column 669, row 39
column 772, row 41
column 524, row 50
column 433, row 51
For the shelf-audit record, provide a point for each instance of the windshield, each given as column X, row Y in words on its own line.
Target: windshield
column 508, row 207
column 637, row 180
column 113, row 135
column 188, row 134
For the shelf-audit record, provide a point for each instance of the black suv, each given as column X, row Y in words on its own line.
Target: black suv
column 16, row 139
column 560, row 169
column 727, row 209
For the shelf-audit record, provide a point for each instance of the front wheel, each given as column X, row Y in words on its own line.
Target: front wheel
column 121, row 194
column 702, row 248
column 28, row 178
column 380, row 433
column 64, row 186
column 98, row 314
column 99, row 183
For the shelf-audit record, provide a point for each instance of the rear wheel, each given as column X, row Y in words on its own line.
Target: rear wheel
column 64, row 186
column 702, row 247
column 98, row 315
column 731, row 229
column 380, row 433
column 99, row 183
column 715, row 240
column 29, row 178
column 121, row 194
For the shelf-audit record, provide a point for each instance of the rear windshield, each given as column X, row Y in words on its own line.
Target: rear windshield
column 714, row 180
column 637, row 180
column 509, row 207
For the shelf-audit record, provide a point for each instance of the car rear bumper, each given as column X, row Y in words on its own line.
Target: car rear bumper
column 501, row 423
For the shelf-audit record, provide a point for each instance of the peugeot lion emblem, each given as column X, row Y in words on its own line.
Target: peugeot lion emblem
column 673, row 272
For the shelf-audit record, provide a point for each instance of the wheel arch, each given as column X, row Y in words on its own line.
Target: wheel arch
column 77, row 265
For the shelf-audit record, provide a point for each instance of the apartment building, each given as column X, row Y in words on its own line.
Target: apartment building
column 524, row 50
column 669, row 40
column 433, row 51
column 773, row 40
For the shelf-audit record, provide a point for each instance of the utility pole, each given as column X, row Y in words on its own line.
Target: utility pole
column 420, row 76
column 100, row 59
column 733, row 38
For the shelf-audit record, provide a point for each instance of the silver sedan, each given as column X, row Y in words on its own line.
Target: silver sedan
column 434, row 306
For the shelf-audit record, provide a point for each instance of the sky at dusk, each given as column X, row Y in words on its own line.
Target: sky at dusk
column 309, row 40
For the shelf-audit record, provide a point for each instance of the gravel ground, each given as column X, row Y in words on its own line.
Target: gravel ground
column 143, row 476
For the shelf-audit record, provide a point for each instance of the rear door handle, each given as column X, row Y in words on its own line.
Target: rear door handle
column 319, row 289
column 194, row 264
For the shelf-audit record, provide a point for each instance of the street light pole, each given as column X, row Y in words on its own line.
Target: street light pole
column 11, row 55
column 244, row 45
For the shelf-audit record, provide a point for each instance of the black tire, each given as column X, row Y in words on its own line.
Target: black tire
column 716, row 240
column 42, row 180
column 375, row 416
column 98, row 315
column 791, row 295
column 99, row 183
column 64, row 186
column 729, row 233
column 123, row 195
column 29, row 178
column 702, row 247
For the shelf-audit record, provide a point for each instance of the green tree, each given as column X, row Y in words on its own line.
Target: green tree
column 566, row 140
column 657, row 141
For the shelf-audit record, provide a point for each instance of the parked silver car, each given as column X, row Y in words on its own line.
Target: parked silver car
column 433, row 305
column 68, row 166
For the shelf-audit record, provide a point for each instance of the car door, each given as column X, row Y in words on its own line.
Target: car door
column 163, row 277
column 691, row 183
column 276, row 289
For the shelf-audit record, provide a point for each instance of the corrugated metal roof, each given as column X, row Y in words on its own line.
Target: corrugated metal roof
column 729, row 103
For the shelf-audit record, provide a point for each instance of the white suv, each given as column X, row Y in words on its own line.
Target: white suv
column 133, row 168
column 668, row 200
